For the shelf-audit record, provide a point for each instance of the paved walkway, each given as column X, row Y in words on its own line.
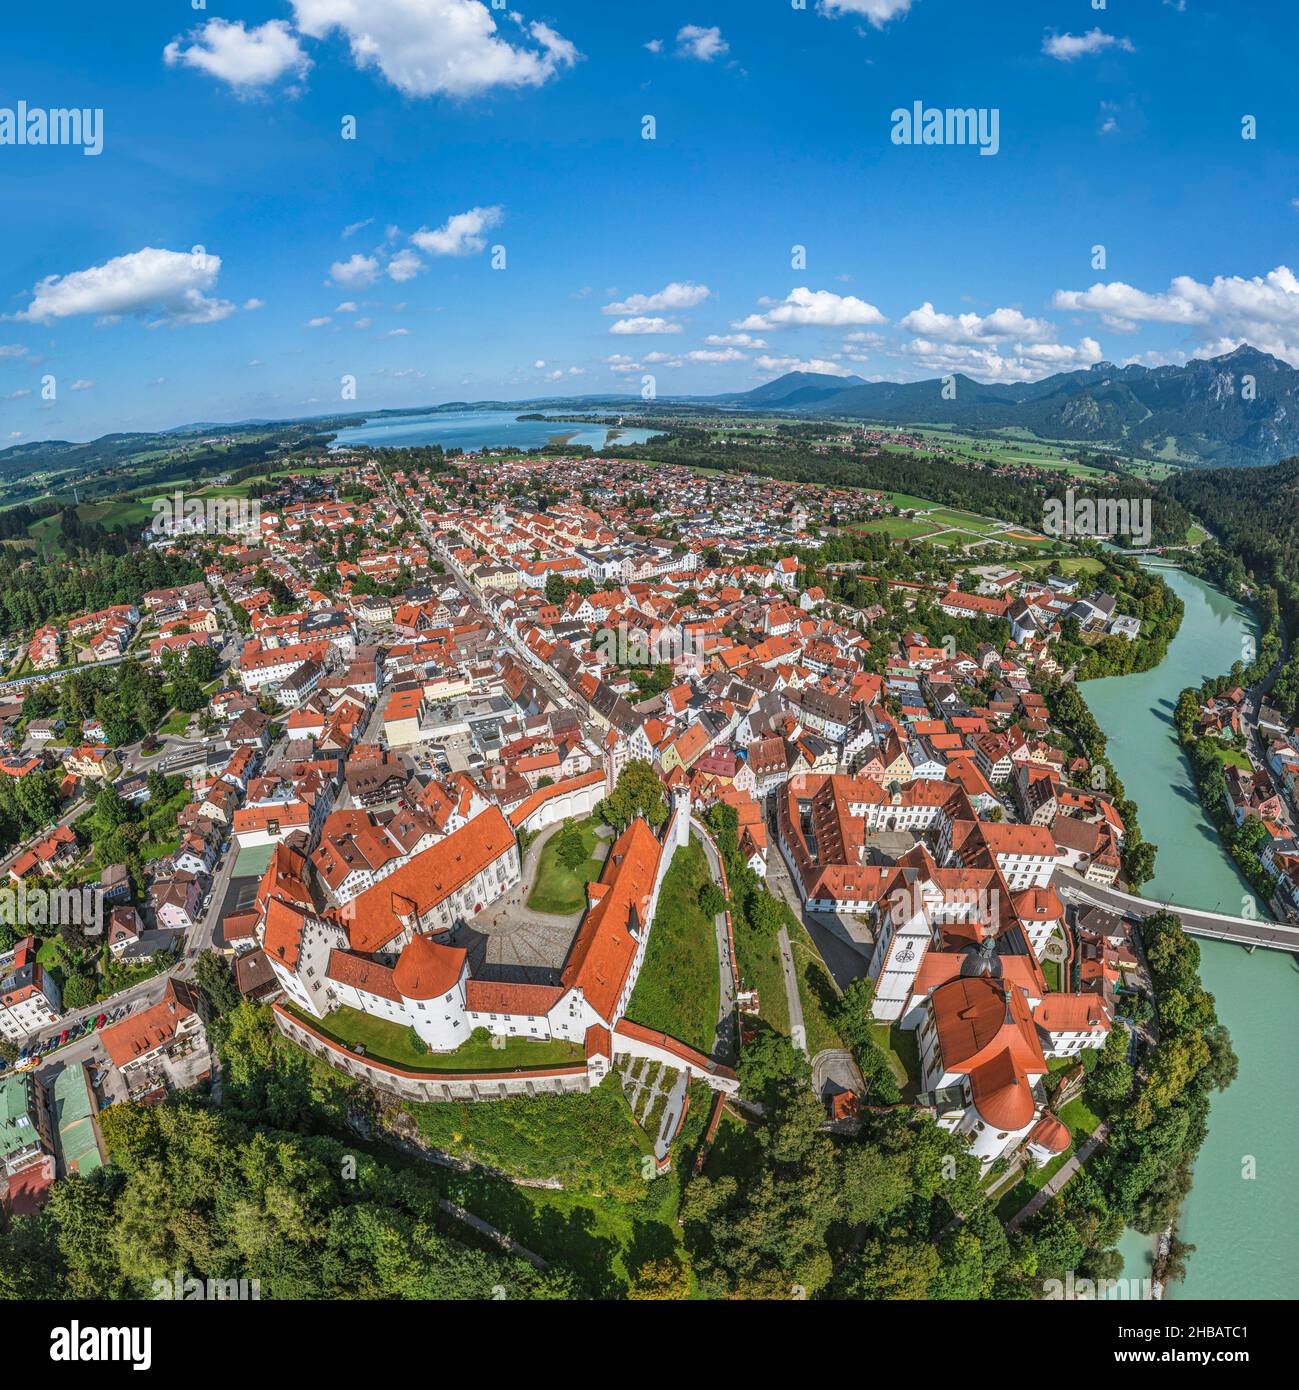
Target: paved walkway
column 797, row 1028
column 1053, row 1185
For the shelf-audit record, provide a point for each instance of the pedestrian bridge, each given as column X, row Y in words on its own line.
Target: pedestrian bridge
column 1250, row 932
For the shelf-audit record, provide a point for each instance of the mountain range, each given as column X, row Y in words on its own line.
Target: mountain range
column 1238, row 409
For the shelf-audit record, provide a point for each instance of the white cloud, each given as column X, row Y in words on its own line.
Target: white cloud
column 353, row 227
column 1003, row 363
column 12, row 350
column 251, row 304
column 818, row 308
column 694, row 41
column 363, row 323
column 1067, row 47
column 876, row 12
column 405, row 265
column 1262, row 310
column 460, row 235
column 169, row 284
column 81, row 384
column 641, row 324
column 716, row 355
column 1156, row 358
column 246, row 59
column 672, row 298
column 439, row 47
column 655, row 46
column 318, row 323
column 358, row 271
column 799, row 364
column 348, row 306
column 972, row 328
column 398, row 333
column 744, row 340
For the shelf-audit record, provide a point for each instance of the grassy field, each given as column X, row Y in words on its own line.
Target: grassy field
column 562, row 890
column 611, row 1214
column 898, row 527
column 816, row 988
column 968, row 521
column 391, row 1043
column 900, row 1047
column 1231, row 757
column 1070, row 565
column 758, row 959
column 678, row 991
column 174, row 725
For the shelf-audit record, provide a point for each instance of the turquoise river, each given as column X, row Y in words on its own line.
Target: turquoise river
column 1245, row 1230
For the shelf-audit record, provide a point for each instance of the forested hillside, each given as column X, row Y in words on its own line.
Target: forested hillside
column 1254, row 514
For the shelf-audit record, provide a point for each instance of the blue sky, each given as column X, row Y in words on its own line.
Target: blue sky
column 479, row 127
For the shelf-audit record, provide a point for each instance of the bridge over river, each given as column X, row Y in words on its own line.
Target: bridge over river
column 1246, row 931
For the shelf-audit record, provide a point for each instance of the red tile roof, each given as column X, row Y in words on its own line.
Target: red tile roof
column 428, row 970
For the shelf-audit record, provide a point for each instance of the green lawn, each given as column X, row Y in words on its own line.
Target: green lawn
column 900, row 1047
column 1080, row 1117
column 610, row 1217
column 174, row 725
column 562, row 890
column 968, row 521
column 758, row 959
column 1230, row 757
column 1051, row 972
column 391, row 1043
column 1071, row 565
column 1033, row 1180
column 899, row 527
column 678, row 991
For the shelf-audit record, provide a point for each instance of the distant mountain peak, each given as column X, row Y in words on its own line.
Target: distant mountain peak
column 1189, row 411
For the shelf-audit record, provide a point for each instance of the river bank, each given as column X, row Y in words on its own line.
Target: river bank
column 1238, row 1214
